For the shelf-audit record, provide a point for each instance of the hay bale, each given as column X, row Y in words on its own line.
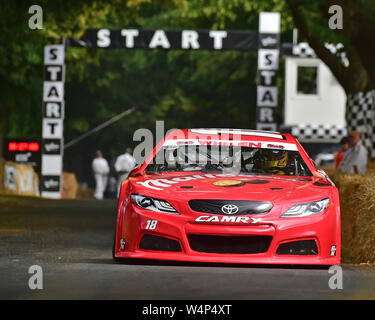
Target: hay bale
column 2, row 163
column 85, row 193
column 70, row 185
column 19, row 179
column 364, row 247
column 357, row 202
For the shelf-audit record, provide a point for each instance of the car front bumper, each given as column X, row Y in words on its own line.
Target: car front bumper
column 313, row 240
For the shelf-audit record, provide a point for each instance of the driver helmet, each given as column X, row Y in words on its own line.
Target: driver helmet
column 270, row 158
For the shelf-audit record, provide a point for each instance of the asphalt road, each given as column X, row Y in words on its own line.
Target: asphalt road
column 72, row 240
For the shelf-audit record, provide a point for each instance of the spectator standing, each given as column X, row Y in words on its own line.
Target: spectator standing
column 340, row 155
column 123, row 165
column 355, row 158
column 100, row 168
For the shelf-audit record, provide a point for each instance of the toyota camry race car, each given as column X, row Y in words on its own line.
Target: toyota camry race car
column 229, row 196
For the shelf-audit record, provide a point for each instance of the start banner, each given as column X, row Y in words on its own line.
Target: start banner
column 168, row 39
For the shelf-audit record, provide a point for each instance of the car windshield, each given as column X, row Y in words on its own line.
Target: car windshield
column 228, row 159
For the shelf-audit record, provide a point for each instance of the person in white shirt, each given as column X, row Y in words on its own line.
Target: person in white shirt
column 101, row 170
column 354, row 158
column 123, row 165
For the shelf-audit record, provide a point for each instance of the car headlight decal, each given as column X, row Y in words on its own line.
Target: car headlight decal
column 306, row 209
column 149, row 203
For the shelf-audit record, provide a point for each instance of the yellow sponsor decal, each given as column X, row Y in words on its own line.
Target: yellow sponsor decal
column 227, row 183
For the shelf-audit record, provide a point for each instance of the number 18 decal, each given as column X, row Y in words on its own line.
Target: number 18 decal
column 151, row 224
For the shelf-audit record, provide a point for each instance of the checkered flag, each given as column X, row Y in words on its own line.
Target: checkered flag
column 360, row 116
column 303, row 50
column 319, row 132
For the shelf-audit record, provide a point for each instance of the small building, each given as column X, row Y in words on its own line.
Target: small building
column 314, row 102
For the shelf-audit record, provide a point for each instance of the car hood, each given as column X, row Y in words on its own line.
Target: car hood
column 229, row 186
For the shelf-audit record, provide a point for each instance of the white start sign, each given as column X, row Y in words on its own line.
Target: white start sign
column 53, row 120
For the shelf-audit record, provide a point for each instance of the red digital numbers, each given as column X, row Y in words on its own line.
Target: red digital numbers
column 23, row 146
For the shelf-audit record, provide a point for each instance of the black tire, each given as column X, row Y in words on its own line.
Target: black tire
column 115, row 259
column 114, row 241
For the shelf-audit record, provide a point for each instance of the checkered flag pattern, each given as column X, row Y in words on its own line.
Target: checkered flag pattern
column 318, row 132
column 303, row 50
column 360, row 116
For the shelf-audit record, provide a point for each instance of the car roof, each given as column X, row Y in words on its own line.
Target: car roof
column 245, row 134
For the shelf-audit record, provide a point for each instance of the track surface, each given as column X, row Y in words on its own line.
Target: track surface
column 72, row 242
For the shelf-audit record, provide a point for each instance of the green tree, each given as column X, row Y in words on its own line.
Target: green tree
column 186, row 89
column 21, row 55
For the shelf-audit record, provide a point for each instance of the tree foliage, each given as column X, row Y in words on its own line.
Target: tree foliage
column 183, row 88
column 311, row 18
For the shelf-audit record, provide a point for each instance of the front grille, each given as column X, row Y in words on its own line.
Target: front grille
column 229, row 244
column 217, row 206
column 152, row 242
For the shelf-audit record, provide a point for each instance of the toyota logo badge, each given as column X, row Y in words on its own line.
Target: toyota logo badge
column 229, row 209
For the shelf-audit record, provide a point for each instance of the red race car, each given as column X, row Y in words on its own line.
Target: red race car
column 229, row 196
